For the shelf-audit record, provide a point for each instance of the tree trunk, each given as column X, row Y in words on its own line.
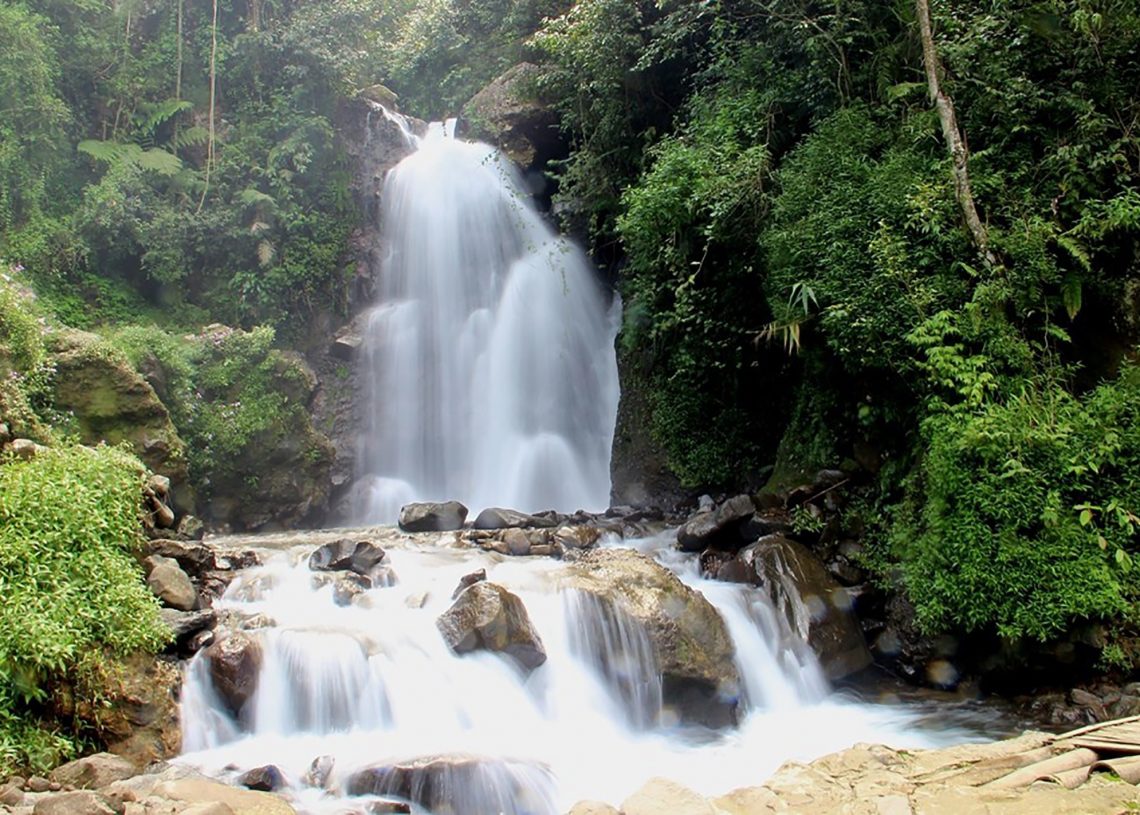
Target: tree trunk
column 955, row 144
column 213, row 98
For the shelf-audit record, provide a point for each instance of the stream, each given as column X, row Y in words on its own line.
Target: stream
column 373, row 683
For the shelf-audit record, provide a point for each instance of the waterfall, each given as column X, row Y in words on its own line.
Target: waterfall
column 373, row 688
column 489, row 360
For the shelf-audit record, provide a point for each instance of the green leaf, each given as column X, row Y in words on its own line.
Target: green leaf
column 1071, row 295
column 1086, row 517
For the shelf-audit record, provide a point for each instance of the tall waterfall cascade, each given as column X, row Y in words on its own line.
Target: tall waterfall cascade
column 489, row 361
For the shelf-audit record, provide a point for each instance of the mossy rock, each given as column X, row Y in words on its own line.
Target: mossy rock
column 111, row 402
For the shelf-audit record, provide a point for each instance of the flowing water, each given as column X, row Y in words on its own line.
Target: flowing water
column 489, row 362
column 374, row 684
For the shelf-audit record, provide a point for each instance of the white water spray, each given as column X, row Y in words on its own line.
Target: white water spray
column 490, row 361
column 373, row 684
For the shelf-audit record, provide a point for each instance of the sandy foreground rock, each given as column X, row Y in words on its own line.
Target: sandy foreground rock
column 877, row 780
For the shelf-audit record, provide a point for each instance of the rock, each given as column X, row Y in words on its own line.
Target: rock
column 242, row 802
column 266, row 779
column 24, row 449
column 37, row 783
column 720, row 527
column 517, row 542
column 162, row 516
column 190, row 528
column 510, row 114
column 816, row 608
column 577, row 537
column 83, row 802
column 170, row 584
column 5, row 433
column 137, row 714
column 384, row 807
column 497, row 518
column 319, row 772
column 690, row 640
column 469, row 580
column 193, row 557
column 660, row 795
column 112, row 402
column 235, row 663
column 433, row 517
column 346, row 343
column 347, row 586
column 93, row 772
column 1089, row 701
column 487, row 616
column 10, row 794
column 432, row 782
column 381, row 95
column 593, row 808
column 347, row 554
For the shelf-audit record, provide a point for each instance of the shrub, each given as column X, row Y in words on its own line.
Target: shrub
column 69, row 525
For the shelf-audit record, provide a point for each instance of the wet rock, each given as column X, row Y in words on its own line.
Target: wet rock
column 185, row 624
column 83, row 802
column 346, row 342
column 720, row 527
column 347, row 554
column 486, row 787
column 432, row 517
column 759, row 526
column 93, row 772
column 487, row 616
column 193, row 557
column 816, row 607
column 170, row 584
column 690, row 640
column 1090, row 702
column 386, row 806
column 498, row 518
column 346, row 586
column 469, row 580
column 577, row 537
column 510, row 114
column 265, row 779
column 234, row 666
column 319, row 772
column 190, row 528
column 517, row 542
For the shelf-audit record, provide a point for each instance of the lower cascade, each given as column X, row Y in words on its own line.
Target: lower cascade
column 357, row 695
column 489, row 361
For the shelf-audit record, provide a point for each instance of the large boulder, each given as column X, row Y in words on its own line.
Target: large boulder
column 486, row 616
column 817, row 608
column 112, row 402
column 499, row 518
column 347, row 555
column 433, row 517
column 725, row 526
column 690, row 641
column 489, row 787
column 170, row 584
column 81, row 802
column 510, row 113
column 235, row 662
column 93, row 772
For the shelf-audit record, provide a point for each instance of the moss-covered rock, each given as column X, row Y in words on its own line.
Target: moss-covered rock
column 110, row 401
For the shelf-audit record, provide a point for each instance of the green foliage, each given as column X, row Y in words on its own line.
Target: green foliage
column 69, row 526
column 1021, row 513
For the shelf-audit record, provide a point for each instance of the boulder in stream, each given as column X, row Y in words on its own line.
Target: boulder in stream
column 726, row 526
column 815, row 606
column 433, row 517
column 437, row 783
column 498, row 518
column 487, row 616
column 690, row 640
column 235, row 663
column 347, row 555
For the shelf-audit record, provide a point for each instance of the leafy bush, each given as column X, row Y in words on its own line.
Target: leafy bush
column 69, row 527
column 1022, row 512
